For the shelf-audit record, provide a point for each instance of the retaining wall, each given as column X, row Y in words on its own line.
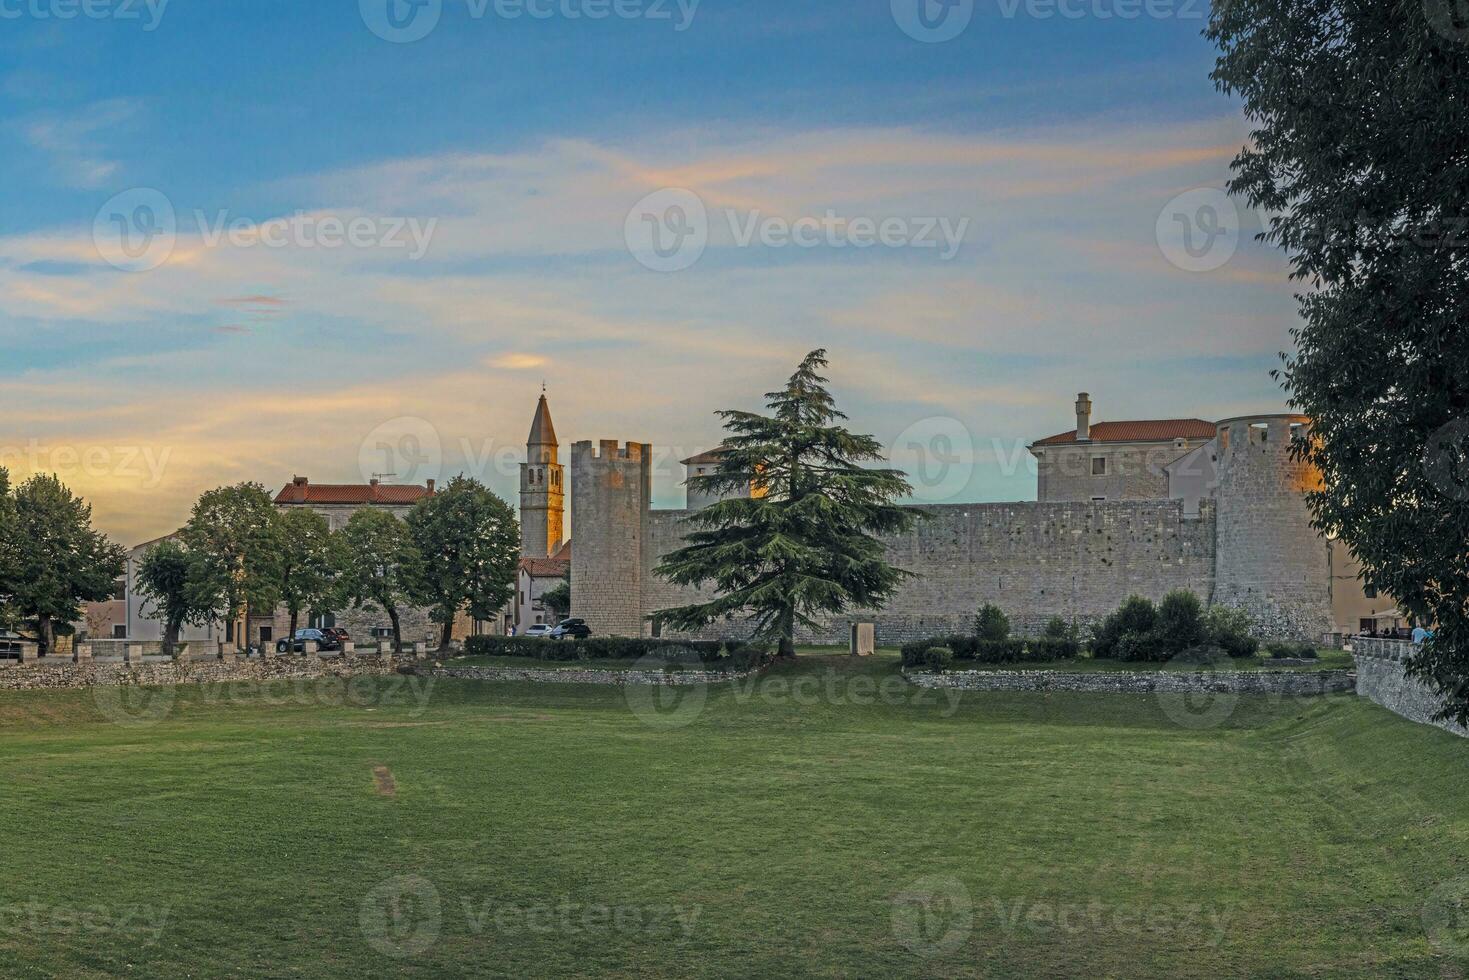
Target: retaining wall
column 58, row 676
column 1279, row 682
column 1383, row 679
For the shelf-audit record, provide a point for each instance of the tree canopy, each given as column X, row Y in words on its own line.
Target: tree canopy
column 57, row 560
column 798, row 538
column 469, row 542
column 235, row 531
column 309, row 561
column 1359, row 150
column 381, row 566
column 168, row 579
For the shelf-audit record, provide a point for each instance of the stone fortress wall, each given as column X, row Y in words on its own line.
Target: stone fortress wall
column 1251, row 546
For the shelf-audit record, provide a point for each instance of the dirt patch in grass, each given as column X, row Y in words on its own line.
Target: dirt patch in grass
column 386, row 784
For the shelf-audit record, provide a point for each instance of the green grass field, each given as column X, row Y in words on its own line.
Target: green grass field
column 825, row 821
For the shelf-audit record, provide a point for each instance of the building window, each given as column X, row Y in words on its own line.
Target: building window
column 119, row 631
column 1099, row 466
column 1370, row 591
column 267, row 634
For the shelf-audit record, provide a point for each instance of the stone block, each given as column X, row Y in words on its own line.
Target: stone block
column 420, row 650
column 385, row 648
column 227, row 650
column 310, row 648
column 864, row 639
column 29, row 652
column 348, row 648
column 132, row 654
column 81, row 653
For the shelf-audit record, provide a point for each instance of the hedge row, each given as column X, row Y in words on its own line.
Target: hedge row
column 719, row 653
column 1013, row 651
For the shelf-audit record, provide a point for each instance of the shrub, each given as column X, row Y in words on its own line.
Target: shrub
column 1180, row 623
column 991, row 624
column 1291, row 651
column 1137, row 615
column 1229, row 630
column 938, row 659
column 1000, row 651
column 1058, row 629
column 1054, row 648
column 1142, row 648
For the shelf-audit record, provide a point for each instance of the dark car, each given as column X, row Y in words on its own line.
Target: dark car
column 337, row 633
column 325, row 640
column 571, row 629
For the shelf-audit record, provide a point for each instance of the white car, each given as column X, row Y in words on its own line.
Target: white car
column 539, row 629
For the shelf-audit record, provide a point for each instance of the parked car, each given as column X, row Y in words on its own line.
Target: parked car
column 337, row 633
column 324, row 641
column 539, row 629
column 571, row 629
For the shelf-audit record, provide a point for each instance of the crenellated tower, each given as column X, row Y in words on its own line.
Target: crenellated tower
column 542, row 489
column 611, row 496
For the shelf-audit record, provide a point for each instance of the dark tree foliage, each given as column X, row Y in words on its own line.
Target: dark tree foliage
column 469, row 540
column 168, row 580
column 8, row 554
column 1360, row 148
column 58, row 560
column 805, row 541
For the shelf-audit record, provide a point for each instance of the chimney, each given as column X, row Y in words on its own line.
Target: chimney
column 431, row 486
column 299, row 481
column 1083, row 417
column 372, row 482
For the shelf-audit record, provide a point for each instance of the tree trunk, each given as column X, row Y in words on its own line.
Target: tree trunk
column 397, row 630
column 171, row 637
column 448, row 635
column 45, row 634
column 787, row 634
column 291, row 636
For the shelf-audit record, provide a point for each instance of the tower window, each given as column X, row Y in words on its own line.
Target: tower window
column 1099, row 466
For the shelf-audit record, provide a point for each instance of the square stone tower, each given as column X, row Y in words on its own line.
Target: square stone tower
column 542, row 489
column 611, row 496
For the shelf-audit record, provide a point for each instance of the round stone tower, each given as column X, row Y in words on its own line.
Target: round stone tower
column 1269, row 561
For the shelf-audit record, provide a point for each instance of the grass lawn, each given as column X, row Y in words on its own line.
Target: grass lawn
column 825, row 820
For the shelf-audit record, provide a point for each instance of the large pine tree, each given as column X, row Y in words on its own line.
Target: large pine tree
column 805, row 543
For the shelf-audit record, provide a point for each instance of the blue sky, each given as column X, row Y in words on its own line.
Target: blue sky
column 519, row 148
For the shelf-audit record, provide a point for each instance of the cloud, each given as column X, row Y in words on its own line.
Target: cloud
column 74, row 143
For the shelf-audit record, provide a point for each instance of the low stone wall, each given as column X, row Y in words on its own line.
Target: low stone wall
column 618, row 678
column 60, row 676
column 1280, row 682
column 1382, row 679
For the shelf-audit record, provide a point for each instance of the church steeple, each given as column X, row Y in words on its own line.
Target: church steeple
column 542, row 488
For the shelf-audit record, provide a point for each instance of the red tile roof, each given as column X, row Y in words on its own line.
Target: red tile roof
column 300, row 491
column 557, row 566
column 1156, row 430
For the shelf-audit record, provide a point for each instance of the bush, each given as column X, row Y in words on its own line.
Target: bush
column 1229, row 630
column 1054, row 648
column 1180, row 623
column 991, row 624
column 1142, row 648
column 1058, row 629
column 1137, row 616
column 1291, row 651
column 938, row 659
column 1000, row 651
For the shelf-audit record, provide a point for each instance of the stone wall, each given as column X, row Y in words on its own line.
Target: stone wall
column 1034, row 561
column 615, row 678
column 1279, row 682
column 1133, row 471
column 1382, row 679
column 55, row 676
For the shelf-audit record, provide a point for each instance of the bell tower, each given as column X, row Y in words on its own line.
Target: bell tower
column 542, row 488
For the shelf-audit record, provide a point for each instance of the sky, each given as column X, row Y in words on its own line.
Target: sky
column 250, row 239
